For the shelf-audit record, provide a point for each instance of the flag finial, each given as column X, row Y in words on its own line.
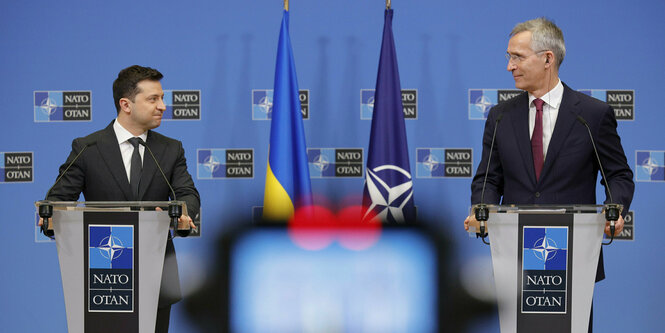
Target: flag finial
column 387, row 4
column 286, row 5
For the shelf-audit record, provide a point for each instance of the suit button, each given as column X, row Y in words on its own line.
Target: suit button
column 537, row 194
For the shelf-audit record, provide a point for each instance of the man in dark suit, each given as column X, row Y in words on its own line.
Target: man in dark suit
column 114, row 167
column 542, row 151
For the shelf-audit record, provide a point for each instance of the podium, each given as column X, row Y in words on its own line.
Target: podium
column 111, row 256
column 544, row 260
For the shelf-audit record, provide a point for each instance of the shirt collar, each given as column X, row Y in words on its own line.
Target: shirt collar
column 552, row 98
column 123, row 135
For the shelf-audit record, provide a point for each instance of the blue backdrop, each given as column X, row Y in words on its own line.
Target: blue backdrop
column 447, row 51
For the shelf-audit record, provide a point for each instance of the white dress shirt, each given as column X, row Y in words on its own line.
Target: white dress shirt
column 550, row 112
column 126, row 148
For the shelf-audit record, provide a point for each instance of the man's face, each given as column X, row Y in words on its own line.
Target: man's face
column 148, row 105
column 527, row 65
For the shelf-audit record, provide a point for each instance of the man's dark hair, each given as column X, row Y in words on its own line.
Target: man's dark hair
column 125, row 86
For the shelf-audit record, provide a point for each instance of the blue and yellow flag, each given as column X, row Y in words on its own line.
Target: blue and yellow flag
column 287, row 179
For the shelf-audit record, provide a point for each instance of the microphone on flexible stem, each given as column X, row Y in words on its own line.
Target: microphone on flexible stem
column 611, row 209
column 45, row 207
column 481, row 211
column 175, row 210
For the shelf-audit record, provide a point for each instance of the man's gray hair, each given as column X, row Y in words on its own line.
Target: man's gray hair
column 545, row 35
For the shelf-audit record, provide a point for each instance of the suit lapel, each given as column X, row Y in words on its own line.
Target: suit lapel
column 110, row 152
column 520, row 123
column 149, row 166
column 565, row 120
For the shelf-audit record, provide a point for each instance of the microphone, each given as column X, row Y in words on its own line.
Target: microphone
column 481, row 211
column 175, row 210
column 45, row 209
column 612, row 209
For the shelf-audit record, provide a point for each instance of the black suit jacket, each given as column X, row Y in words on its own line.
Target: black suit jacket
column 100, row 175
column 570, row 171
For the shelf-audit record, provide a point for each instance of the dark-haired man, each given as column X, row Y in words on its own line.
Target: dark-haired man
column 107, row 170
column 542, row 153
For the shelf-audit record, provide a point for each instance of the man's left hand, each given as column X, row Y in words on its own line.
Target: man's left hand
column 618, row 226
column 182, row 221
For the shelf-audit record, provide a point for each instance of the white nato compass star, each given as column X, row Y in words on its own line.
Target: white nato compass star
column 388, row 204
column 111, row 247
column 211, row 163
column 48, row 106
column 265, row 104
column 545, row 249
column 430, row 162
column 370, row 103
column 650, row 166
column 484, row 104
column 321, row 162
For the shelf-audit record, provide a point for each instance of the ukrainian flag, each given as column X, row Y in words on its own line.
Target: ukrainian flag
column 287, row 178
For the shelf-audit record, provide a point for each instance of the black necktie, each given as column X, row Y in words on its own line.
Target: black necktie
column 135, row 169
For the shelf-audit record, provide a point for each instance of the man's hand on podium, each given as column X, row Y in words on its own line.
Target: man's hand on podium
column 618, row 227
column 471, row 221
column 183, row 220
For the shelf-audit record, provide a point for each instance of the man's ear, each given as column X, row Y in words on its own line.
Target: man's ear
column 125, row 105
column 549, row 59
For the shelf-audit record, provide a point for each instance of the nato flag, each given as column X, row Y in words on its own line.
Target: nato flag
column 388, row 192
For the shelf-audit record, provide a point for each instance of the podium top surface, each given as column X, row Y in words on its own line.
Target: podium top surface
column 553, row 209
column 88, row 205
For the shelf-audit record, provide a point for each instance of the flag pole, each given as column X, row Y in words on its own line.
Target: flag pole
column 387, row 4
column 286, row 5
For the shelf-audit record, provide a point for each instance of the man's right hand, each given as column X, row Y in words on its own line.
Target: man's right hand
column 470, row 221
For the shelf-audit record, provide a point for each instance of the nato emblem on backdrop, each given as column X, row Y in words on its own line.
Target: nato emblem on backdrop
column 262, row 103
column 17, row 167
column 182, row 105
column 622, row 101
column 111, row 268
column 409, row 103
column 52, row 106
column 650, row 165
column 335, row 162
column 219, row 163
column 482, row 100
column 544, row 270
column 429, row 162
column 444, row 162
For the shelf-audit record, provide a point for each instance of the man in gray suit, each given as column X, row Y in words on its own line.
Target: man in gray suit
column 114, row 166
